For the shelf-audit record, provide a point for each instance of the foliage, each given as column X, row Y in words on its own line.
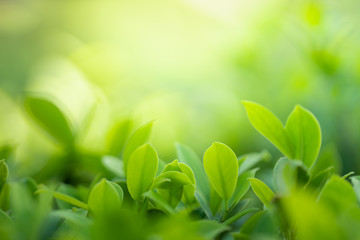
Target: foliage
column 132, row 194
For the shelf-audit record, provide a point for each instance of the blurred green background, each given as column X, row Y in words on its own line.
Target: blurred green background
column 185, row 63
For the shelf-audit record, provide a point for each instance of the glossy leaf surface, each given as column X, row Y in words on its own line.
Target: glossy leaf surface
column 139, row 137
column 264, row 193
column 221, row 167
column 142, row 168
column 304, row 131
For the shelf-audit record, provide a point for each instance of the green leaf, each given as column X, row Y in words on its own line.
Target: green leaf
column 266, row 123
column 50, row 118
column 118, row 135
column 203, row 204
column 171, row 195
column 70, row 191
column 304, row 131
column 105, row 198
column 70, row 200
column 262, row 191
column 119, row 191
column 347, row 175
column 338, row 195
column 215, row 202
column 160, row 201
column 188, row 156
column 284, row 176
column 242, row 186
column 177, row 179
column 313, row 219
column 188, row 190
column 72, row 218
column 317, row 182
column 173, row 166
column 187, row 184
column 239, row 215
column 209, row 229
column 249, row 160
column 250, row 225
column 161, row 167
column 138, row 138
column 260, row 224
column 4, row 173
column 329, row 157
column 221, row 166
column 142, row 168
column 188, row 172
column 289, row 175
column 63, row 197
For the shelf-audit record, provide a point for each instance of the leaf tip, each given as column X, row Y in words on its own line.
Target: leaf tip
column 247, row 103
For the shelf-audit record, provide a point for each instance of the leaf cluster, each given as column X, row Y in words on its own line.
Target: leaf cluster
column 132, row 194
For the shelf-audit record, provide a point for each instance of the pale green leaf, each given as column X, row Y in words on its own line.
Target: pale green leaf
column 173, row 166
column 338, row 194
column 266, row 123
column 242, row 186
column 188, row 156
column 189, row 189
column 221, row 167
column 138, row 138
column 188, row 172
column 70, row 200
column 177, row 179
column 105, row 198
column 248, row 161
column 63, row 197
column 284, row 176
column 313, row 220
column 160, row 201
column 70, row 191
column 215, row 201
column 118, row 135
column 142, row 168
column 171, row 195
column 304, row 131
column 118, row 190
column 262, row 191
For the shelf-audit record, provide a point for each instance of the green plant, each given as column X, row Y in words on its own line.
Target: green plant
column 135, row 195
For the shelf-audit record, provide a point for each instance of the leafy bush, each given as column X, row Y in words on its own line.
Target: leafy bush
column 132, row 194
